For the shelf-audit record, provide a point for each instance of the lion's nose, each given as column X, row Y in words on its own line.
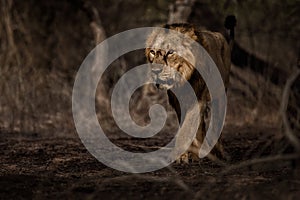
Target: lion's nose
column 156, row 71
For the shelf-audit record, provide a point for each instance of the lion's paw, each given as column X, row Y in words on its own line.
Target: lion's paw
column 187, row 158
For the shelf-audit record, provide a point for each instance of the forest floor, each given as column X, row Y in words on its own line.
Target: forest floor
column 35, row 167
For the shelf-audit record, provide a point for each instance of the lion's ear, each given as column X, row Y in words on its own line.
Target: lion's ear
column 147, row 50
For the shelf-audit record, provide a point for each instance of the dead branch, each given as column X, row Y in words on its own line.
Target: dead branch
column 261, row 160
column 95, row 22
column 288, row 132
column 99, row 35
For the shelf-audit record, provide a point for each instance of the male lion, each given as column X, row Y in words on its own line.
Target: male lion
column 163, row 52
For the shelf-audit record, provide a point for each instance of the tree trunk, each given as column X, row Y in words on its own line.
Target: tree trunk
column 180, row 11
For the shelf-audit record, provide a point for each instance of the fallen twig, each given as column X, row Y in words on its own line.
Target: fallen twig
column 261, row 160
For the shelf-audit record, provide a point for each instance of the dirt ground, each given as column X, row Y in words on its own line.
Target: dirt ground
column 34, row 167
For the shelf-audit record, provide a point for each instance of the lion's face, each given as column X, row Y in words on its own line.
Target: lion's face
column 165, row 66
column 169, row 69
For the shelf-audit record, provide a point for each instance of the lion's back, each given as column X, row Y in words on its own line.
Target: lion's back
column 218, row 49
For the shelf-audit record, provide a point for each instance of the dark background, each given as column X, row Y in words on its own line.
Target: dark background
column 43, row 43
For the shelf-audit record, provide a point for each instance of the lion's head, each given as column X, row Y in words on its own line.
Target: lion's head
column 169, row 69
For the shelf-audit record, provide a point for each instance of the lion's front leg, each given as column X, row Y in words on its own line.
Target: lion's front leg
column 192, row 152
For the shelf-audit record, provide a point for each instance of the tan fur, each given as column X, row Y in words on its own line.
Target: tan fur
column 162, row 48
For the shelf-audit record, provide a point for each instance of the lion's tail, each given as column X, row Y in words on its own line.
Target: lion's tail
column 230, row 23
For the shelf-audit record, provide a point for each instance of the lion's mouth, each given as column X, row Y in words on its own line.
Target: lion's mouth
column 164, row 84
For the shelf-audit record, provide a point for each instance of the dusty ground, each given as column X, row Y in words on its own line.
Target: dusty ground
column 35, row 167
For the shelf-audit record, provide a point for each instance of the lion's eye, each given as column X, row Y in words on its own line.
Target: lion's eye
column 171, row 51
column 152, row 53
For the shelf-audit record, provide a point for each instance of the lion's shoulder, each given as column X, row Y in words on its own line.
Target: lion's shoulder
column 218, row 48
column 213, row 42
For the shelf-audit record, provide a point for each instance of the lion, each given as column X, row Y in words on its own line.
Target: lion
column 161, row 49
